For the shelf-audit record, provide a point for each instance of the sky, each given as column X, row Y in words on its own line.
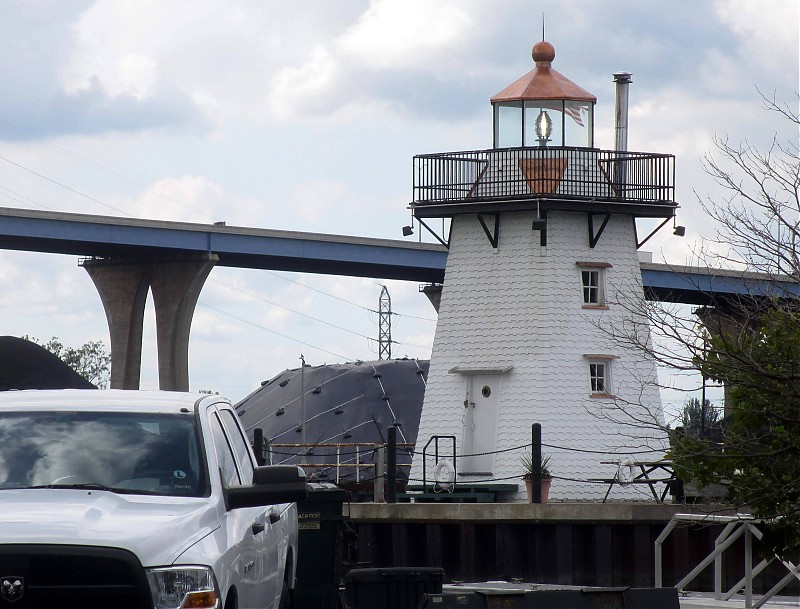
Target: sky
column 306, row 115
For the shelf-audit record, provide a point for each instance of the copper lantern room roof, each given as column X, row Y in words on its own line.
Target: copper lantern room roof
column 543, row 82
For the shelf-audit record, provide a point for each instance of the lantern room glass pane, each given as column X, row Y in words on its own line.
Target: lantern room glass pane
column 578, row 123
column 553, row 111
column 507, row 124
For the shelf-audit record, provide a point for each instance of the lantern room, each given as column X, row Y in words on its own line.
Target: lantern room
column 544, row 158
column 543, row 108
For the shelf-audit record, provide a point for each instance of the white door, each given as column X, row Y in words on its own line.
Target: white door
column 480, row 424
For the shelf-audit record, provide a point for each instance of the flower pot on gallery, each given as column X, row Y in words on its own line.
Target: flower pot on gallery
column 545, row 488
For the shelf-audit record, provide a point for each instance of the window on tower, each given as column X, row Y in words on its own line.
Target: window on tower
column 600, row 375
column 591, row 287
column 593, row 284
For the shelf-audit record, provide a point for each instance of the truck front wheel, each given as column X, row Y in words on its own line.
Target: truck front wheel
column 286, row 597
column 231, row 603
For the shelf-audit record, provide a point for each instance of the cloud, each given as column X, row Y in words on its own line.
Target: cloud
column 311, row 86
column 222, row 55
column 768, row 32
column 312, row 205
column 46, row 295
column 91, row 111
column 314, row 201
column 37, row 104
column 304, row 115
column 398, row 58
column 133, row 65
column 189, row 196
column 408, row 35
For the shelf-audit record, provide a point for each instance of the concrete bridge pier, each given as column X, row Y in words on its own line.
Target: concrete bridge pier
column 731, row 318
column 123, row 285
column 176, row 287
column 123, row 291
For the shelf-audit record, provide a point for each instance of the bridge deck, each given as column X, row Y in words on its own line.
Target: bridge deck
column 258, row 248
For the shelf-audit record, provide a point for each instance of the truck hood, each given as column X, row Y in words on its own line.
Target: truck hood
column 156, row 529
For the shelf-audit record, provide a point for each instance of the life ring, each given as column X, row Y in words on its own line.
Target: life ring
column 444, row 474
column 625, row 471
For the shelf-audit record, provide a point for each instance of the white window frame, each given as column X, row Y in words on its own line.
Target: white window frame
column 599, row 373
column 592, row 285
column 591, row 270
column 606, row 377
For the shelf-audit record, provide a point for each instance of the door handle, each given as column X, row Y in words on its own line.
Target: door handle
column 274, row 517
column 257, row 528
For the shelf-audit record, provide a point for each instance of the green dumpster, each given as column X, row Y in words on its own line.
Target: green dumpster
column 322, row 545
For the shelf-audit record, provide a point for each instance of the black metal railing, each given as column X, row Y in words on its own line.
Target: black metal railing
column 340, row 462
column 552, row 172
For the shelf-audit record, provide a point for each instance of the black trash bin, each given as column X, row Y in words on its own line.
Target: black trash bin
column 391, row 588
column 321, row 546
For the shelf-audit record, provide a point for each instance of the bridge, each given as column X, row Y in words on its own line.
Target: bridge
column 132, row 239
column 126, row 257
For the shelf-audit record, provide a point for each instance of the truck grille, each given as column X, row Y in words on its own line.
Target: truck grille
column 73, row 576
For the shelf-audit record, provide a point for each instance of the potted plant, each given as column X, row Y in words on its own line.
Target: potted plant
column 547, row 478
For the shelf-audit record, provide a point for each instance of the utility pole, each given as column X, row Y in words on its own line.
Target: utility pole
column 384, row 325
column 303, row 399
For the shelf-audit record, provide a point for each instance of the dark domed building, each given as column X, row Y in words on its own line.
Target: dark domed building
column 348, row 408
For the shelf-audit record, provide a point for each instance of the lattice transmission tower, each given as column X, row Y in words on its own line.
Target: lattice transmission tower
column 384, row 325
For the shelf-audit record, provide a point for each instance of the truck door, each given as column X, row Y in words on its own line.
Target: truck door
column 247, row 528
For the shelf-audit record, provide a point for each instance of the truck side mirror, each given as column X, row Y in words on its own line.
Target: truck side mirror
column 271, row 484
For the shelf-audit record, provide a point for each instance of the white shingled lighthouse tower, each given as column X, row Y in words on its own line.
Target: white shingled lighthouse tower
column 542, row 245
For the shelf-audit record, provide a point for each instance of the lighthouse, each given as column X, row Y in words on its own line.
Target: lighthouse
column 542, row 270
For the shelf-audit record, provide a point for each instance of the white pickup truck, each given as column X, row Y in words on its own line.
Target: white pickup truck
column 136, row 499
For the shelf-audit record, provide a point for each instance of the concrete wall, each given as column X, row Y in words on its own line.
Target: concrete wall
column 571, row 544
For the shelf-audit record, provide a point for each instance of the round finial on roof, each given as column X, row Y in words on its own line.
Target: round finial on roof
column 543, row 51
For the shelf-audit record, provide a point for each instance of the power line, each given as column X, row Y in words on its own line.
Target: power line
column 133, row 182
column 322, row 321
column 402, row 315
column 286, row 336
column 355, row 304
column 97, row 166
column 64, row 186
column 413, row 317
column 22, row 198
column 275, row 304
column 70, row 154
column 319, row 291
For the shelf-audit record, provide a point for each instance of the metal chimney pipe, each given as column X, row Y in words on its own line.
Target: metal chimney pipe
column 623, row 80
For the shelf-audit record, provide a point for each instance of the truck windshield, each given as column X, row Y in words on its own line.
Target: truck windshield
column 123, row 452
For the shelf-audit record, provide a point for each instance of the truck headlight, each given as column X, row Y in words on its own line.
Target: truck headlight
column 183, row 588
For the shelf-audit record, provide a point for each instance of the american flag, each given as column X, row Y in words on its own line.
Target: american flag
column 574, row 112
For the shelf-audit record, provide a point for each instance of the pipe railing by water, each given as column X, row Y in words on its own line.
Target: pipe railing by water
column 331, row 457
column 735, row 527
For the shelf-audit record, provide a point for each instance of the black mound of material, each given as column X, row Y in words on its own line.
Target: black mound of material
column 26, row 365
column 350, row 405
